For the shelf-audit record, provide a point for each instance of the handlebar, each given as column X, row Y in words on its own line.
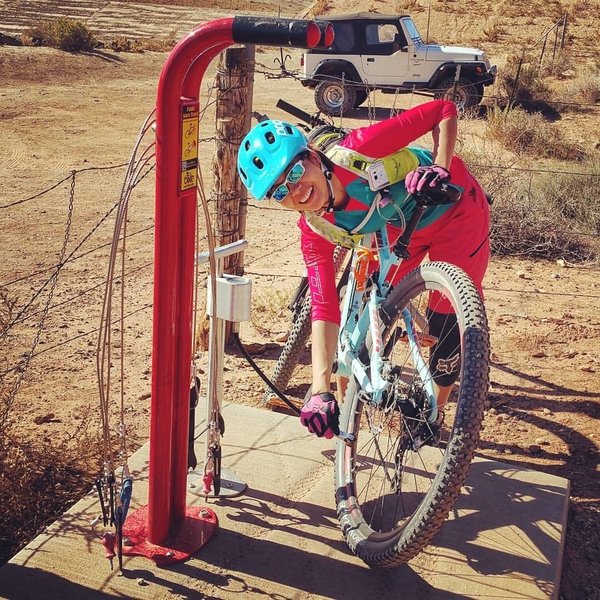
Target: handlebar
column 312, row 120
column 442, row 193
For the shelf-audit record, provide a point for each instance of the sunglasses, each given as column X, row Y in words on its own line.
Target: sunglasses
column 294, row 175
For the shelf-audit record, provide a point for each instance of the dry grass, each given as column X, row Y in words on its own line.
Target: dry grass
column 548, row 213
column 573, row 198
column 408, row 6
column 63, row 33
column 124, row 44
column 270, row 313
column 530, row 134
column 585, row 89
column 320, row 7
column 494, row 32
column 39, row 479
column 522, row 225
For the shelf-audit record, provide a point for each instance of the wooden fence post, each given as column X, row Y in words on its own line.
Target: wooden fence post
column 235, row 84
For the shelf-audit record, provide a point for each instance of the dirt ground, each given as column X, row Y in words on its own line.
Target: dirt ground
column 60, row 112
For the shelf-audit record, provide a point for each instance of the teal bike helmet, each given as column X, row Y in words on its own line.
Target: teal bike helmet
column 266, row 151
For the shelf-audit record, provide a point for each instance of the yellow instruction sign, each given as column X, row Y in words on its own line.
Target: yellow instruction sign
column 189, row 145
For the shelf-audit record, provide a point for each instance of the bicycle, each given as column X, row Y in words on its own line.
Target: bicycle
column 396, row 478
column 395, row 483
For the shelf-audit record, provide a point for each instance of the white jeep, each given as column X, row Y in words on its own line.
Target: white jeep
column 373, row 51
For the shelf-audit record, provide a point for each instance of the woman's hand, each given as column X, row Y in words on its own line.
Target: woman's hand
column 416, row 180
column 321, row 415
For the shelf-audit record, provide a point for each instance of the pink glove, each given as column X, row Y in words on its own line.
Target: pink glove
column 416, row 180
column 321, row 415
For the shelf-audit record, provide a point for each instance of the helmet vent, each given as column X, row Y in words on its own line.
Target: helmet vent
column 258, row 163
column 270, row 137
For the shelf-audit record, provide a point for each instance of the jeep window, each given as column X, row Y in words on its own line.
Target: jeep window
column 344, row 38
column 412, row 31
column 383, row 38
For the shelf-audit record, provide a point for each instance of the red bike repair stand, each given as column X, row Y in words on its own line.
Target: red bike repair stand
column 166, row 530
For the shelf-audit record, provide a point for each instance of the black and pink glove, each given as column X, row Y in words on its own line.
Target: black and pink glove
column 321, row 415
column 416, row 180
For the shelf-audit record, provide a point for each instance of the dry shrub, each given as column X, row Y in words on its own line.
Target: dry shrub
column 66, row 34
column 494, row 32
column 320, row 7
column 522, row 84
column 531, row 134
column 539, row 213
column 122, row 43
column 573, row 197
column 524, row 225
column 39, row 480
column 581, row 7
column 408, row 6
column 270, row 313
column 8, row 305
column 585, row 89
column 543, row 215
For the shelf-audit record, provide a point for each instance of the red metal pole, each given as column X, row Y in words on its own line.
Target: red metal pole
column 175, row 213
column 177, row 110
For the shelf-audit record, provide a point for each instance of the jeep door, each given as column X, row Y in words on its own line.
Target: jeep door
column 385, row 55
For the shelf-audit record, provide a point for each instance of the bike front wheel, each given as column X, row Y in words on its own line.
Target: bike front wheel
column 399, row 478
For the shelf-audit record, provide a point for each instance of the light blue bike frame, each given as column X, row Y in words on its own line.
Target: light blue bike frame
column 357, row 324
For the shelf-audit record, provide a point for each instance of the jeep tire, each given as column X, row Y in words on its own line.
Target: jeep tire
column 333, row 98
column 361, row 96
column 464, row 93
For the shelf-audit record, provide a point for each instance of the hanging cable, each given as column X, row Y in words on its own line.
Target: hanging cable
column 114, row 500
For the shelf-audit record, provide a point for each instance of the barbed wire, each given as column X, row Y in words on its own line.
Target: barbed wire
column 75, row 171
column 92, row 331
column 82, row 293
column 73, row 259
column 73, row 256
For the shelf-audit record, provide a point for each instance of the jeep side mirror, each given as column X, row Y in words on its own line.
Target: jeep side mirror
column 404, row 49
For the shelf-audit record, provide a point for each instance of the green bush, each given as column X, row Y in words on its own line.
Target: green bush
column 66, row 34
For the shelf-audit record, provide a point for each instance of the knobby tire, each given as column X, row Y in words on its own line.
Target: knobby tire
column 407, row 536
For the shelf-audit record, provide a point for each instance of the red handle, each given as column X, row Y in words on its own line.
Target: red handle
column 108, row 541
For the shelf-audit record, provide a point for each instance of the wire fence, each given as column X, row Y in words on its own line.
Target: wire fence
column 29, row 301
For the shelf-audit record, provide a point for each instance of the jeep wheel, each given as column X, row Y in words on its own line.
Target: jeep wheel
column 361, row 96
column 334, row 99
column 464, row 93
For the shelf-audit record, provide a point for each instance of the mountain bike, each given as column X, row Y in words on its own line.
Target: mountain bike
column 397, row 475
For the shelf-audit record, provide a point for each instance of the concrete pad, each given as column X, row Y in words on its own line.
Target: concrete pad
column 280, row 539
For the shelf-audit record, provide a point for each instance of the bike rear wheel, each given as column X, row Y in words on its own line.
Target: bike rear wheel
column 398, row 480
column 299, row 333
